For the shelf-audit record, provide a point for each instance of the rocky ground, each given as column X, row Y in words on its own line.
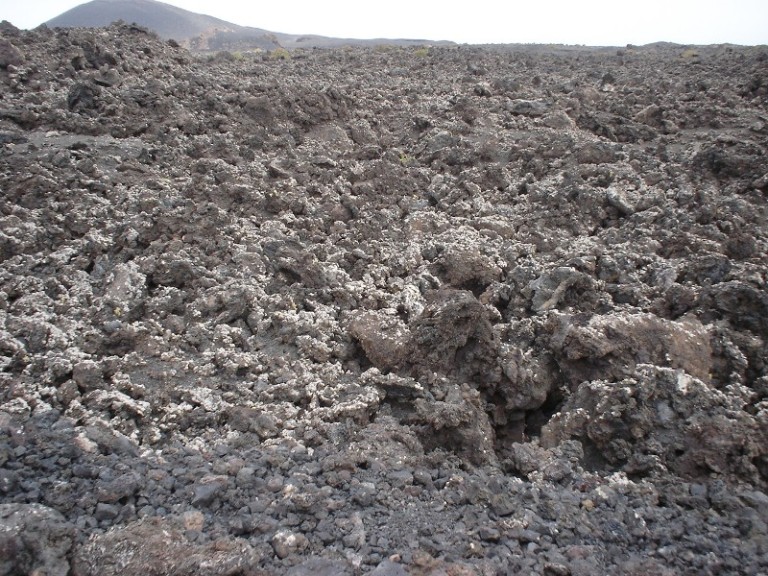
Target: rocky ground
column 383, row 311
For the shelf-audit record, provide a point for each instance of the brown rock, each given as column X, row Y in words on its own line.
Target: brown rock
column 384, row 338
column 10, row 55
column 610, row 346
column 454, row 335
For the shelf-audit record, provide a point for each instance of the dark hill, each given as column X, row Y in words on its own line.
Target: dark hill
column 197, row 31
column 167, row 21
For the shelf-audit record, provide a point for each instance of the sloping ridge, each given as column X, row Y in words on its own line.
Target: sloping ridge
column 198, row 31
column 168, row 21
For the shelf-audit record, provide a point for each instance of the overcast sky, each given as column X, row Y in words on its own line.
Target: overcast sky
column 591, row 22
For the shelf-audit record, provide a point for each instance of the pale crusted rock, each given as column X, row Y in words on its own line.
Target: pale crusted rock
column 552, row 288
column 458, row 424
column 10, row 55
column 389, row 568
column 286, row 543
column 335, row 301
column 125, row 289
column 159, row 547
column 394, row 386
column 529, row 378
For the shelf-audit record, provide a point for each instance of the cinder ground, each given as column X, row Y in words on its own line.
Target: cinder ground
column 447, row 310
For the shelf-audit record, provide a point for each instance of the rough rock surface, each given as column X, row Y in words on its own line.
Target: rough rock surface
column 447, row 310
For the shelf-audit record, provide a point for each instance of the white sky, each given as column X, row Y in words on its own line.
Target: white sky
column 591, row 22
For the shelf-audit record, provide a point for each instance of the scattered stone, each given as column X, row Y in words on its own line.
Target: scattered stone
column 207, row 489
column 322, row 567
column 286, row 543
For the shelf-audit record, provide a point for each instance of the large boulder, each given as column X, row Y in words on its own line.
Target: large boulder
column 34, row 539
column 661, row 419
column 383, row 337
column 454, row 336
column 610, row 346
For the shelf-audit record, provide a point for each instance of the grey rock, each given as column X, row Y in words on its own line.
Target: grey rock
column 8, row 481
column 636, row 339
column 207, row 489
column 111, row 441
column 321, row 567
column 106, row 511
column 88, row 375
column 10, row 55
column 34, row 539
column 121, row 487
column 452, row 310
column 82, row 98
column 597, row 153
column 531, row 108
column 551, row 288
column 388, row 568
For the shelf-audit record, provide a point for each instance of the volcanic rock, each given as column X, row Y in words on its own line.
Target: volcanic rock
column 447, row 310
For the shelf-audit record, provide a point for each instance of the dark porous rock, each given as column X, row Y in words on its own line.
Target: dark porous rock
column 597, row 153
column 465, row 268
column 83, row 98
column 458, row 424
column 106, row 511
column 454, row 335
column 34, row 539
column 529, row 107
column 745, row 306
column 111, row 441
column 88, row 375
column 118, row 488
column 384, row 338
column 205, row 491
column 650, row 413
